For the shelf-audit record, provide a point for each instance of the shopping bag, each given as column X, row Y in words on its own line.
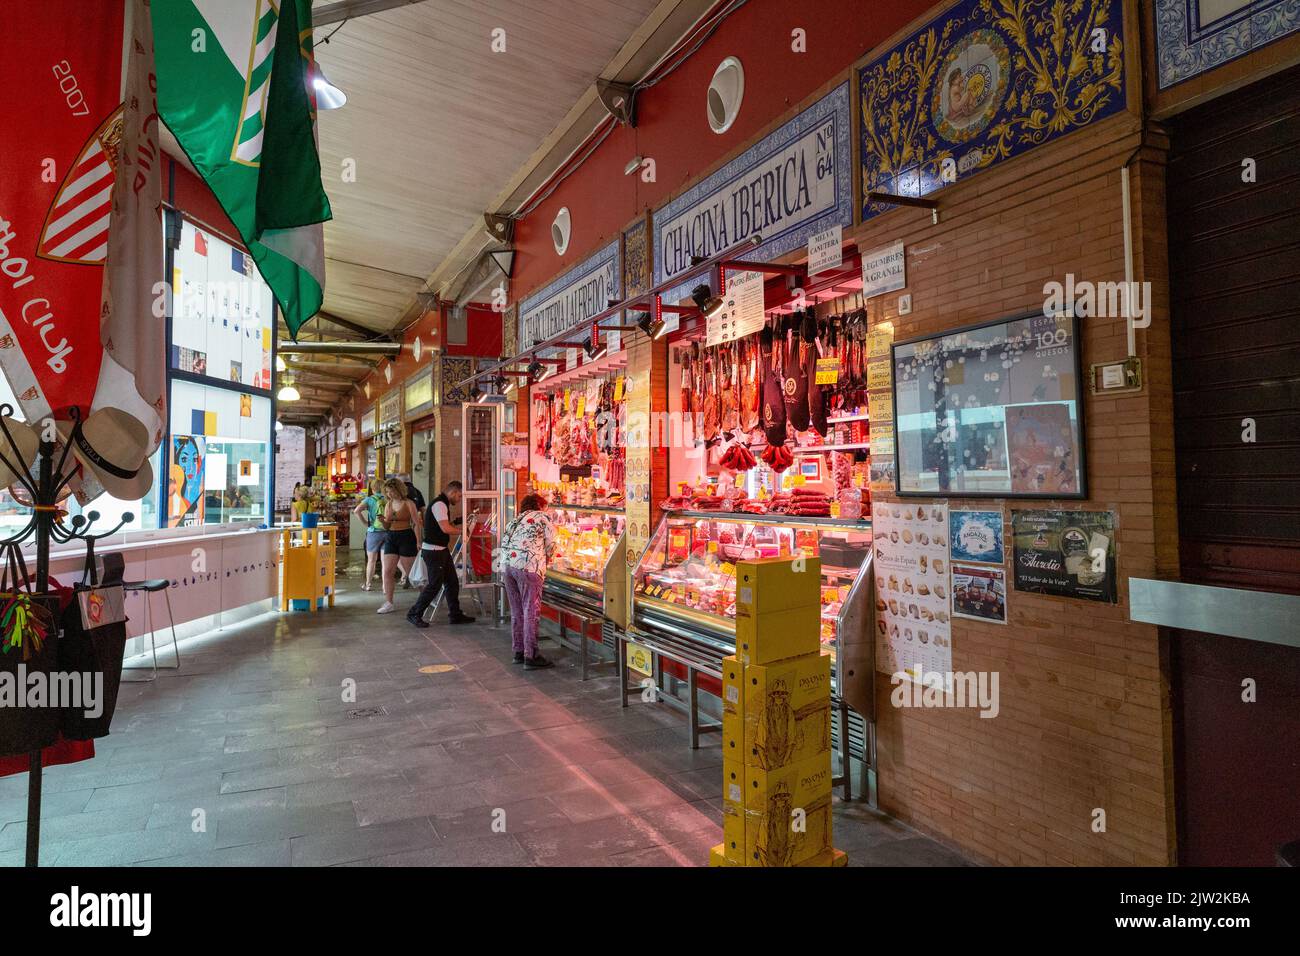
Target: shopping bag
column 91, row 651
column 419, row 575
column 28, row 649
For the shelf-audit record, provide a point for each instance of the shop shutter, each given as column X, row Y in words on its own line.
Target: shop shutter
column 1235, row 281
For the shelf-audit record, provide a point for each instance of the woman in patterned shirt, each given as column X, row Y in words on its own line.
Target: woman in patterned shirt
column 527, row 544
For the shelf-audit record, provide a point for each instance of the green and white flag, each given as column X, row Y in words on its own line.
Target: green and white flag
column 234, row 88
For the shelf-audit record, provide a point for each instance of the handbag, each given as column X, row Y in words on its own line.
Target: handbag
column 28, row 647
column 93, row 643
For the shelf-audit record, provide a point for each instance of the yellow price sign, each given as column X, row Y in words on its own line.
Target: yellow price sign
column 827, row 371
column 728, row 569
column 640, row 659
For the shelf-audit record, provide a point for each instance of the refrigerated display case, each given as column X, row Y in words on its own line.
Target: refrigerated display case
column 685, row 581
column 583, row 571
column 684, row 590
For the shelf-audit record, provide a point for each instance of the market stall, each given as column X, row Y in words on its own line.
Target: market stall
column 577, row 462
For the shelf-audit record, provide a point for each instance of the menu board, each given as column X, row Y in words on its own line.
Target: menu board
column 880, row 408
column 913, row 629
column 742, row 309
column 991, row 411
column 1067, row 553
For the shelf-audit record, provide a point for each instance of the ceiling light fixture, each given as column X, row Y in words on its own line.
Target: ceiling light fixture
column 287, row 393
column 535, row 369
column 328, row 96
column 595, row 349
column 709, row 303
column 633, row 165
column 279, row 364
column 652, row 326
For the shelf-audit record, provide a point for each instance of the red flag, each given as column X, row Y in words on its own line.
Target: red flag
column 65, row 135
column 200, row 244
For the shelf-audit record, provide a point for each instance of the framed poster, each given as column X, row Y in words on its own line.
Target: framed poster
column 979, row 592
column 991, row 411
column 1066, row 553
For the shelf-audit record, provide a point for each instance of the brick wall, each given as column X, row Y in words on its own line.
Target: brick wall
column 1084, row 719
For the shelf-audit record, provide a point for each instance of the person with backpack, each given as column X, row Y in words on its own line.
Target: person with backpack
column 368, row 509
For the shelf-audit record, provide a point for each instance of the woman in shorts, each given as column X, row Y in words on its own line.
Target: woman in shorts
column 368, row 509
column 401, row 523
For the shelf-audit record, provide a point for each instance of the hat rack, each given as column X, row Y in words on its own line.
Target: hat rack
column 45, row 524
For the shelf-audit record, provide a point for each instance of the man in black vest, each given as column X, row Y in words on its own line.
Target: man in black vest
column 439, row 529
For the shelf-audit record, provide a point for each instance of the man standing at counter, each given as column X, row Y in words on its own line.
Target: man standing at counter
column 439, row 529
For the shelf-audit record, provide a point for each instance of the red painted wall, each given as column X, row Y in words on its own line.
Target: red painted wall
column 673, row 128
column 191, row 196
column 482, row 333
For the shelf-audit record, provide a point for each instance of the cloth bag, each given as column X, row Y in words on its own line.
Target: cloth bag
column 94, row 642
column 24, row 729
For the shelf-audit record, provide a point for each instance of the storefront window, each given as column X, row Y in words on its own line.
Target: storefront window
column 218, row 457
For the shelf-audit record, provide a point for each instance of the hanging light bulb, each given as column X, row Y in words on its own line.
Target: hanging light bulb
column 288, row 393
column 279, row 364
column 328, row 96
column 279, row 425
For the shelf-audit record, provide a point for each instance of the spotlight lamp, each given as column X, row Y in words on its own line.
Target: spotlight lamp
column 596, row 349
column 709, row 303
column 535, row 370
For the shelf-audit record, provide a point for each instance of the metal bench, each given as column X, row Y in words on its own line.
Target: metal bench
column 694, row 657
column 587, row 614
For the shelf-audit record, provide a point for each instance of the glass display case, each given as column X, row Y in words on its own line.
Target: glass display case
column 685, row 581
column 586, row 537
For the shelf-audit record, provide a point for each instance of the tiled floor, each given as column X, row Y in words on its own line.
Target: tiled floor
column 251, row 756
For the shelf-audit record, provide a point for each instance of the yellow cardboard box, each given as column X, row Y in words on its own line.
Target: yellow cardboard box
column 733, row 709
column 787, row 788
column 776, row 714
column 825, row 858
column 717, row 856
column 777, row 584
column 778, row 838
column 778, row 635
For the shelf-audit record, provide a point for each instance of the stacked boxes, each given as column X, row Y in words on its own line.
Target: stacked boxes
column 776, row 722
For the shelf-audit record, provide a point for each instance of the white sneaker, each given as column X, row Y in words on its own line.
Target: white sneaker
column 386, row 608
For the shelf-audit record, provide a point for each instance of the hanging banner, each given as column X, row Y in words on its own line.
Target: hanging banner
column 63, row 136
column 583, row 291
column 790, row 185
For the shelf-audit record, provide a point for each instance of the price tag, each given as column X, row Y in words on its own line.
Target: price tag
column 835, row 509
column 618, row 389
column 713, row 547
column 582, row 405
column 740, row 479
column 827, row 371
column 728, row 569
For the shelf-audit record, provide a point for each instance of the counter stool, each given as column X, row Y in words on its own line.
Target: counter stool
column 112, row 566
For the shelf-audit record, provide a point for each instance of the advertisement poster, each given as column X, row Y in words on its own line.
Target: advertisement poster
column 880, row 408
column 976, row 536
column 1067, row 553
column 913, row 630
column 979, row 592
column 185, row 481
column 1040, row 445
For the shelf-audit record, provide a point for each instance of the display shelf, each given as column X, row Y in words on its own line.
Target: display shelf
column 864, row 417
column 863, row 524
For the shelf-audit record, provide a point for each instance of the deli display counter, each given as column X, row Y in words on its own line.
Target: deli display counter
column 589, row 569
column 684, row 590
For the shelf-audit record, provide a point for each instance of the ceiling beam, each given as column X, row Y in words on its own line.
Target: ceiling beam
column 353, row 327
column 351, row 9
column 314, row 371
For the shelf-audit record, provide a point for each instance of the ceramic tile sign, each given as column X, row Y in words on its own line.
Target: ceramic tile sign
column 913, row 629
column 979, row 592
column 1066, row 553
column 884, row 270
column 976, row 536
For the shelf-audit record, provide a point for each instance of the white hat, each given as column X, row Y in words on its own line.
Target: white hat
column 112, row 445
column 21, row 455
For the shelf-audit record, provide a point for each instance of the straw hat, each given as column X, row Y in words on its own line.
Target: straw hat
column 22, row 455
column 112, row 445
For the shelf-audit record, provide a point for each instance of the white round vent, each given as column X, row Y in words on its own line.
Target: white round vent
column 560, row 231
column 726, row 90
column 416, row 348
column 388, row 374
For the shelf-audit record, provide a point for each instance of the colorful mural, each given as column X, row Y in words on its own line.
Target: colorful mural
column 636, row 259
column 1193, row 36
column 185, row 484
column 983, row 82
